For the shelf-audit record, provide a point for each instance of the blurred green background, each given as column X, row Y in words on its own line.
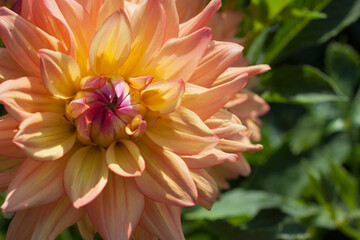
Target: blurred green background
column 305, row 183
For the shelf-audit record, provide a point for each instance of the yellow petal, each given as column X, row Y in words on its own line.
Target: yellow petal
column 60, row 73
column 163, row 96
column 111, row 44
column 45, row 136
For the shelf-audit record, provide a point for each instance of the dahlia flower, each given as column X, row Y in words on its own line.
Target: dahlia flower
column 115, row 111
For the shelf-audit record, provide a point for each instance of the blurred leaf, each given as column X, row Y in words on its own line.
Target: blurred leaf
column 340, row 14
column 275, row 7
column 238, row 202
column 305, row 12
column 355, row 110
column 291, row 28
column 347, row 185
column 342, row 63
column 255, row 51
column 306, row 133
column 299, row 84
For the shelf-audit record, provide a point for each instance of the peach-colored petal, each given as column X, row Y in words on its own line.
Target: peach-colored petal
column 85, row 175
column 182, row 132
column 86, row 228
column 141, row 234
column 8, row 129
column 163, row 96
column 166, row 178
column 6, row 178
column 117, row 210
column 111, row 44
column 9, row 68
column 92, row 7
column 45, row 136
column 205, row 102
column 60, row 73
column 107, row 9
column 206, row 186
column 8, row 168
column 162, row 220
column 201, row 19
column 179, row 57
column 253, row 107
column 172, row 19
column 124, row 159
column 45, row 222
column 23, row 40
column 25, row 96
column 209, row 158
column 217, row 58
column 225, row 24
column 148, row 27
column 232, row 73
column 189, row 8
column 35, row 184
column 235, row 146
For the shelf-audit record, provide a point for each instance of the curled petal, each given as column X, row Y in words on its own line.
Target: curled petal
column 108, row 8
column 166, row 178
column 24, row 42
column 140, row 83
column 60, row 73
column 35, row 184
column 206, row 102
column 235, row 146
column 148, row 20
column 25, row 96
column 209, row 158
column 207, row 188
column 182, row 132
column 217, row 58
column 162, row 220
column 117, row 210
column 85, row 175
column 111, row 44
column 8, row 129
column 45, row 136
column 163, row 96
column 9, row 68
column 179, row 57
column 201, row 19
column 124, row 159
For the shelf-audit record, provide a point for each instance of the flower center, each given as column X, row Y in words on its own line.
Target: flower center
column 105, row 109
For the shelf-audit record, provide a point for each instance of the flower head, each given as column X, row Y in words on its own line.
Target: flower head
column 115, row 110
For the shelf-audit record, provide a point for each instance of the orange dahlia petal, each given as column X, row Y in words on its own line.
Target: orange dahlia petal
column 107, row 8
column 117, row 210
column 9, row 68
column 45, row 136
column 85, row 175
column 8, row 129
column 207, row 188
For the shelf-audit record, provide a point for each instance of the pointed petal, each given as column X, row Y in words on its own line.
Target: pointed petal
column 107, row 9
column 172, row 19
column 205, row 102
column 166, row 178
column 124, row 159
column 148, row 28
column 110, row 46
column 86, row 228
column 201, row 19
column 117, row 210
column 182, row 132
column 206, row 186
column 209, row 158
column 35, row 184
column 24, row 42
column 6, row 178
column 163, row 96
column 179, row 57
column 92, row 7
column 9, row 68
column 8, row 129
column 60, row 73
column 55, row 218
column 85, row 175
column 45, row 136
column 217, row 58
column 162, row 220
column 25, row 96
column 23, row 224
column 232, row 73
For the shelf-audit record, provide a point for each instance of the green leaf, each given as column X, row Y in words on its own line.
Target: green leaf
column 255, row 52
column 291, row 28
column 299, row 84
column 347, row 185
column 342, row 63
column 340, row 14
column 355, row 110
column 275, row 7
column 237, row 203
